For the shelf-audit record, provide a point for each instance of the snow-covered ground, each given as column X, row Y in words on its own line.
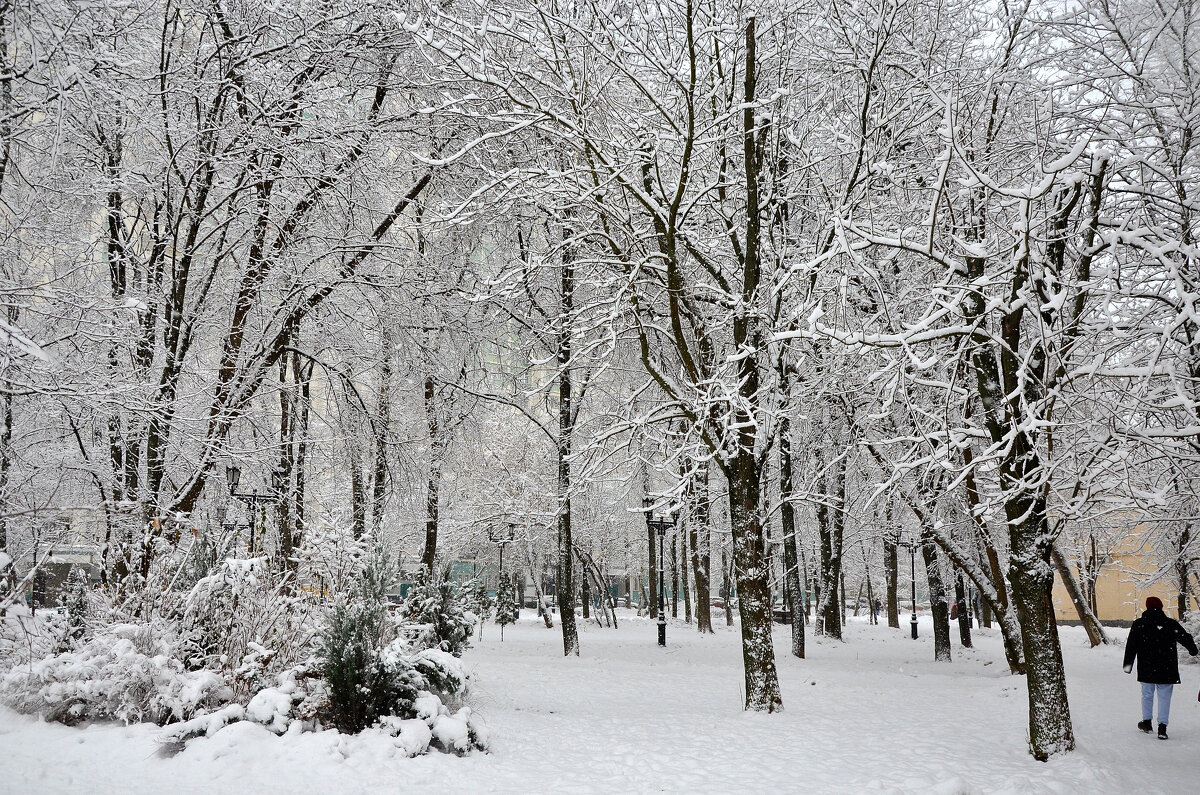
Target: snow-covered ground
column 874, row 714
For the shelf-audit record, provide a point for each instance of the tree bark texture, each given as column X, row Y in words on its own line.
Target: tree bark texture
column 787, row 517
column 754, row 596
column 964, row 611
column 938, row 606
column 564, row 577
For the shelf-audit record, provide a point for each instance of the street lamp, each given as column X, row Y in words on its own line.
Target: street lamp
column 911, row 546
column 660, row 526
column 233, row 476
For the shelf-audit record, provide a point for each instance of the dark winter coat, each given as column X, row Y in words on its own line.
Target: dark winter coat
column 1152, row 640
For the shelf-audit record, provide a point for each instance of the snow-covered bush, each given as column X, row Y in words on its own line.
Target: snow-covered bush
column 374, row 675
column 124, row 672
column 506, row 599
column 76, row 609
column 240, row 620
column 435, row 615
column 243, row 643
column 1191, row 622
column 360, row 686
column 476, row 599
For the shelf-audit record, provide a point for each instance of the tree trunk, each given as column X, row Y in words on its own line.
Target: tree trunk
column 787, row 516
column 585, row 596
column 432, row 500
column 1032, row 581
column 683, row 578
column 294, row 376
column 700, row 547
column 1087, row 618
column 964, row 611
column 754, row 597
column 830, row 522
column 843, row 593
column 1182, row 570
column 938, row 607
column 870, row 589
column 891, row 572
column 6, row 424
column 674, row 575
column 379, row 430
column 726, row 590
column 358, row 493
column 808, row 594
column 564, row 579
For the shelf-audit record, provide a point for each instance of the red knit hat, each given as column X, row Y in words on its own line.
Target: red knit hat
column 1153, row 603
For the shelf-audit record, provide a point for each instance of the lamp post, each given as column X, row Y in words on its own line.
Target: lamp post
column 660, row 527
column 912, row 551
column 233, row 476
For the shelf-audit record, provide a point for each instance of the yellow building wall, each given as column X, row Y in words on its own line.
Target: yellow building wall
column 1123, row 585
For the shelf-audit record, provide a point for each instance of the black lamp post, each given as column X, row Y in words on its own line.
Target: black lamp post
column 233, row 476
column 912, row 551
column 660, row 526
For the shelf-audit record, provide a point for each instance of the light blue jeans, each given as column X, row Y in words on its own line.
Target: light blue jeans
column 1164, row 701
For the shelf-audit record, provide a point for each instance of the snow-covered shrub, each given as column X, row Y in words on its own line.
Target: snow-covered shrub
column 1191, row 622
column 241, row 620
column 8, row 580
column 373, row 675
column 506, row 600
column 75, row 605
column 360, row 687
column 435, row 616
column 476, row 598
column 124, row 672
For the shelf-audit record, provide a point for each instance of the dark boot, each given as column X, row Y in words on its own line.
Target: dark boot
column 1145, row 726
column 1162, row 731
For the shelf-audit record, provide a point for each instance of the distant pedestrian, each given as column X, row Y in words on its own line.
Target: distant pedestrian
column 878, row 606
column 1152, row 640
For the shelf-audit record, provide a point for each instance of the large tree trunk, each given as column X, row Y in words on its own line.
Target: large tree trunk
column 1032, row 581
column 891, row 572
column 754, row 597
column 938, row 606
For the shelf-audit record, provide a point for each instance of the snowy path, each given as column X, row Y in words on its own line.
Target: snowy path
column 870, row 715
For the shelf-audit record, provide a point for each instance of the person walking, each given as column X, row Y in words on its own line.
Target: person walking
column 1152, row 640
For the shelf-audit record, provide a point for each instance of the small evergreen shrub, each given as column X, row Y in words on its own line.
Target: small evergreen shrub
column 435, row 616
column 506, row 600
